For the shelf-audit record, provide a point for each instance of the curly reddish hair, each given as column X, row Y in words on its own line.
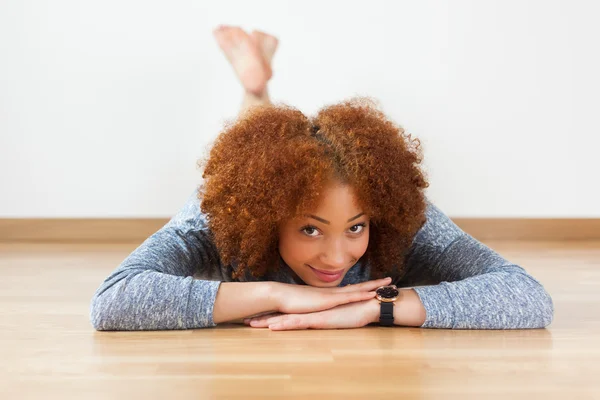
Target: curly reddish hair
column 271, row 163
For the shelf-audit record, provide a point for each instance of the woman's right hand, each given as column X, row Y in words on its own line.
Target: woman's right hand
column 297, row 299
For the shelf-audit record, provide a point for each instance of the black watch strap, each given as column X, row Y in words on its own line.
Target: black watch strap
column 386, row 316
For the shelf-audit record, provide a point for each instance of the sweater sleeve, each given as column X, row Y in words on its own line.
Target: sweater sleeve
column 154, row 287
column 478, row 288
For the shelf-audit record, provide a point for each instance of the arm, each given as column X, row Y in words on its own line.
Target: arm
column 154, row 287
column 236, row 300
column 478, row 288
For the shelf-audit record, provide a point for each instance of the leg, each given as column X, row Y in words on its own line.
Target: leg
column 251, row 99
column 250, row 57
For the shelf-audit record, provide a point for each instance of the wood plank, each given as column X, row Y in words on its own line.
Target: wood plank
column 50, row 350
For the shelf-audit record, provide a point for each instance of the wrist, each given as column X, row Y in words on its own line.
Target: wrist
column 408, row 309
column 373, row 310
column 273, row 291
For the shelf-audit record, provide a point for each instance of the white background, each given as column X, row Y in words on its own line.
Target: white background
column 105, row 106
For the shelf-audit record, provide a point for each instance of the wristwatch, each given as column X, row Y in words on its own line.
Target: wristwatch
column 386, row 296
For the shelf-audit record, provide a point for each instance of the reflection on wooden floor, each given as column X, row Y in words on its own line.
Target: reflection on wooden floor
column 50, row 350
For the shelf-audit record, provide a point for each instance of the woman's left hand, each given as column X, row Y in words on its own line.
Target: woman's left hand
column 351, row 315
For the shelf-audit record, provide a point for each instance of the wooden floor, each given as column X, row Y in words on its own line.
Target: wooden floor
column 49, row 350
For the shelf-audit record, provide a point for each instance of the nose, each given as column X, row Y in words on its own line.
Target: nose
column 336, row 255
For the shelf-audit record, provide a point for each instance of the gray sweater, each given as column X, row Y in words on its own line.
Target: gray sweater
column 171, row 280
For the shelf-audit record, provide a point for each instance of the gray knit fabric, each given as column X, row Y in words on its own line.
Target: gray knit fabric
column 171, row 280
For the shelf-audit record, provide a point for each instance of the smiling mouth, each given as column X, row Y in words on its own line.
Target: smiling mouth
column 328, row 272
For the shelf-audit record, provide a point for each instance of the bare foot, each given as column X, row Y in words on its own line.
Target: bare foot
column 267, row 43
column 245, row 56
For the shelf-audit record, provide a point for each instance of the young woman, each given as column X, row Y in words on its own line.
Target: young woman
column 303, row 223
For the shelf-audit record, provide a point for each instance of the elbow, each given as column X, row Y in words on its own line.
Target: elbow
column 109, row 308
column 547, row 310
column 100, row 317
column 540, row 307
column 97, row 313
column 538, row 310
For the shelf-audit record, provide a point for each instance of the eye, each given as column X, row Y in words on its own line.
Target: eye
column 306, row 228
column 361, row 225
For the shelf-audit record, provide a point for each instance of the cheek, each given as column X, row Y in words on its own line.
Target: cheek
column 291, row 246
column 299, row 250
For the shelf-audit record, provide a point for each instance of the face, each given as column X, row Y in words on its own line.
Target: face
column 323, row 245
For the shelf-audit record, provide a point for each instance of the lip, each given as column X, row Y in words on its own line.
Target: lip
column 327, row 276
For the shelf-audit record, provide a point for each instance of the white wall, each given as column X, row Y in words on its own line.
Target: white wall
column 105, row 107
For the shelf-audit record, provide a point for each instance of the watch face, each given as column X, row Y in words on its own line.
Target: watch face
column 387, row 293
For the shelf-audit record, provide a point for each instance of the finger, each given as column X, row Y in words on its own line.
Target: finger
column 265, row 322
column 350, row 297
column 366, row 286
column 263, row 317
column 292, row 322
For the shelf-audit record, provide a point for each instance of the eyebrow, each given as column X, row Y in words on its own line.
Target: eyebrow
column 327, row 222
